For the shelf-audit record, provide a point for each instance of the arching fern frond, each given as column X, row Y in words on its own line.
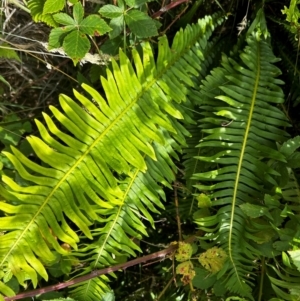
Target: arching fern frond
column 241, row 124
column 101, row 161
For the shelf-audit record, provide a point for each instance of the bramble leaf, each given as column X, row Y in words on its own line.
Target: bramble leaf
column 117, row 25
column 53, row 6
column 184, row 252
column 78, row 13
column 213, row 259
column 57, row 35
column 93, row 24
column 63, row 19
column 111, row 11
column 140, row 24
column 76, row 45
column 187, row 270
column 255, row 211
column 136, row 3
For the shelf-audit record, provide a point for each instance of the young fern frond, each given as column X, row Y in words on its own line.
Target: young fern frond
column 242, row 125
column 100, row 164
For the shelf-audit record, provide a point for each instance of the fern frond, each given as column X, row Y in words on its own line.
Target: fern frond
column 36, row 10
column 100, row 164
column 242, row 126
column 142, row 197
column 284, row 279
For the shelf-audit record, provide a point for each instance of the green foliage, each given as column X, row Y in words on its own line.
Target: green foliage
column 213, row 259
column 292, row 16
column 104, row 158
column 73, row 36
column 101, row 172
column 139, row 23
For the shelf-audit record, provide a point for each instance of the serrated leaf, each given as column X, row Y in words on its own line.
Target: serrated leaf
column 78, row 12
column 295, row 255
column 187, row 270
column 111, row 11
column 53, row 6
column 255, row 211
column 57, row 35
column 184, row 252
column 136, row 3
column 117, row 25
column 93, row 24
column 121, row 4
column 76, row 45
column 213, row 259
column 263, row 236
column 140, row 24
column 203, row 279
column 63, row 19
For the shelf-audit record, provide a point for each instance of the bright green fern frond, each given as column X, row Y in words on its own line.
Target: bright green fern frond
column 101, row 160
column 241, row 125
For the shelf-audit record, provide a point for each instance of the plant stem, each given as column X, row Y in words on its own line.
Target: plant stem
column 177, row 211
column 261, row 279
column 167, row 7
column 165, row 288
column 96, row 273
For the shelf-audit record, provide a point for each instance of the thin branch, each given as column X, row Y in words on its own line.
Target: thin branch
column 97, row 273
column 177, row 210
column 94, row 274
column 165, row 288
column 168, row 7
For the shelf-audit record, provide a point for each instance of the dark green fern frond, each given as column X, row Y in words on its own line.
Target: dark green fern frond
column 241, row 125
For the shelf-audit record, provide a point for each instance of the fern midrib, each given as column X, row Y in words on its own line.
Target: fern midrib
column 113, row 225
column 235, row 190
column 63, row 179
column 147, row 87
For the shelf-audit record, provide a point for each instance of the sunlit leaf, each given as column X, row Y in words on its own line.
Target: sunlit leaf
column 53, row 6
